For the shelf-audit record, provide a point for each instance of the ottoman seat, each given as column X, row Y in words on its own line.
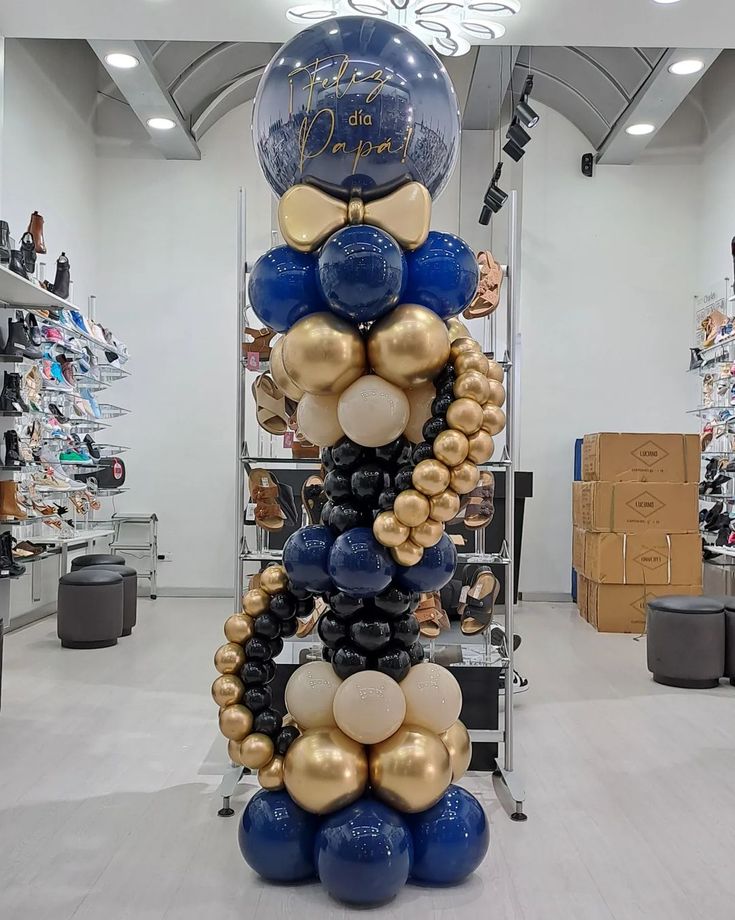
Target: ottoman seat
column 90, row 608
column 130, row 593
column 686, row 641
column 82, row 562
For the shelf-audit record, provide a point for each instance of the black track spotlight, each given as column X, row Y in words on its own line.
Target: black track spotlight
column 485, row 215
column 518, row 134
column 514, row 151
column 524, row 112
column 495, row 197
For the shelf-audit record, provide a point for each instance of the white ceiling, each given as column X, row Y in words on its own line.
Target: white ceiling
column 627, row 23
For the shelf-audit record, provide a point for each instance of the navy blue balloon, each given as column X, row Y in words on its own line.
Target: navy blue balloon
column 450, row 839
column 361, row 273
column 363, row 854
column 442, row 274
column 277, row 837
column 305, row 557
column 283, row 287
column 356, row 105
column 359, row 565
column 435, row 569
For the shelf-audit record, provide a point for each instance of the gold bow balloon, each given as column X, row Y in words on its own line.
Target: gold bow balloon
column 307, row 216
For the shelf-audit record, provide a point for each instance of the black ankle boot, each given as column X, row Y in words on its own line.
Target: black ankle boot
column 60, row 287
column 695, row 358
column 4, row 241
column 16, row 263
column 34, row 332
column 18, row 342
column 8, row 567
column 28, row 253
column 11, row 399
column 12, row 449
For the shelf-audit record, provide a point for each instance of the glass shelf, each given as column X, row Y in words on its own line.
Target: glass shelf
column 72, row 329
column 107, row 410
column 274, row 555
column 107, row 492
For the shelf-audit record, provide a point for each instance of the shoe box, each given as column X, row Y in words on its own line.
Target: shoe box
column 622, row 608
column 647, row 558
column 632, row 507
column 610, row 457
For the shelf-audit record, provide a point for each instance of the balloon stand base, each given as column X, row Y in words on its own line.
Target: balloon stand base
column 511, row 792
column 226, row 811
column 227, row 788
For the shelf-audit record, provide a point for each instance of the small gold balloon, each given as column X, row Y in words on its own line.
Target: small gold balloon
column 444, row 507
column 239, row 628
column 229, row 658
column 407, row 553
column 227, row 690
column 408, row 346
column 288, row 719
column 427, row 534
column 388, row 530
column 411, row 508
column 411, row 770
column 496, row 394
column 495, row 371
column 472, row 361
column 274, row 579
column 430, row 477
column 493, row 419
column 233, row 751
column 270, row 776
column 451, row 447
column 325, row 770
column 473, row 385
column 465, row 415
column 464, row 477
column 457, row 741
column 279, row 375
column 457, row 329
column 235, row 722
column 323, row 354
column 481, row 447
column 256, row 751
column 255, row 602
column 460, row 346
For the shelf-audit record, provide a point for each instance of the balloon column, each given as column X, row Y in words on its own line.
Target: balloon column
column 356, row 126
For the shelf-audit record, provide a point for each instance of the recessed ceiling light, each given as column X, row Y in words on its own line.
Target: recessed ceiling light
column 121, row 60
column 161, row 124
column 637, row 130
column 685, row 68
column 665, row 1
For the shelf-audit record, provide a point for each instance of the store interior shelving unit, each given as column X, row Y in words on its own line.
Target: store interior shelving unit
column 256, row 447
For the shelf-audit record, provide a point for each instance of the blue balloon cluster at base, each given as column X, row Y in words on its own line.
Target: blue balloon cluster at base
column 365, row 853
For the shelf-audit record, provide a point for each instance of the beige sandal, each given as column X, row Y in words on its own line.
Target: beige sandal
column 431, row 616
column 307, row 624
column 476, row 612
column 487, row 298
column 264, row 492
column 272, row 411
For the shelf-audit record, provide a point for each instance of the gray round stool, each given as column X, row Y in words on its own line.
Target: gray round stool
column 81, row 562
column 90, row 608
column 130, row 592
column 686, row 641
column 729, row 605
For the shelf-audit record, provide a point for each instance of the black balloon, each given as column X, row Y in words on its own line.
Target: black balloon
column 305, row 606
column 256, row 672
column 416, row 653
column 393, row 602
column 396, row 453
column 370, row 633
column 257, row 649
column 347, row 515
column 276, row 646
column 406, row 631
column 326, row 511
column 395, row 662
column 285, row 738
column 267, row 626
column 386, row 499
column 327, row 653
column 347, row 454
column 348, row 660
column 446, row 375
column 414, row 601
column 404, row 479
column 257, row 698
column 269, row 722
column 345, row 605
column 331, row 630
column 440, row 406
column 327, row 460
column 433, row 427
column 446, row 389
column 368, row 481
column 282, row 606
column 301, row 594
column 270, row 669
column 289, row 627
column 423, row 451
column 337, row 486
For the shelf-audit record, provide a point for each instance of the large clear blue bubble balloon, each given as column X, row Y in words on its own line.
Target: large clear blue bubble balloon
column 277, row 837
column 435, row 569
column 361, row 273
column 283, row 287
column 442, row 274
column 359, row 565
column 306, row 556
column 450, row 839
column 363, row 853
column 356, row 105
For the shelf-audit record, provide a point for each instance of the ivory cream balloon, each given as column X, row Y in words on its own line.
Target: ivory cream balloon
column 310, row 694
column 433, row 697
column 369, row 707
column 323, row 354
column 420, row 399
column 372, row 411
column 317, row 419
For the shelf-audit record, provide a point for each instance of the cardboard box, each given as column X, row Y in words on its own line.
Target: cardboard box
column 609, row 457
column 630, row 507
column 622, row 608
column 647, row 558
column 582, row 596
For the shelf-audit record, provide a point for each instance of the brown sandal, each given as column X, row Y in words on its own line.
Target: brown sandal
column 264, row 492
column 261, row 342
column 431, row 616
column 480, row 509
column 303, row 449
column 476, row 612
column 307, row 624
column 272, row 410
column 487, row 298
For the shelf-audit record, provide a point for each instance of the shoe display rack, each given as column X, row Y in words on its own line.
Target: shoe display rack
column 257, row 448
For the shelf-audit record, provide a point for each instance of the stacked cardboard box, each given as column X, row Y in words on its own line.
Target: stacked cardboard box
column 636, row 525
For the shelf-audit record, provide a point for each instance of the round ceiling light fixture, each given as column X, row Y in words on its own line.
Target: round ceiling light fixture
column 662, row 2
column 687, row 67
column 640, row 130
column 121, row 60
column 161, row 124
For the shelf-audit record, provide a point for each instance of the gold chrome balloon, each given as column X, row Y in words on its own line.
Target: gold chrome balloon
column 465, row 415
column 481, row 447
column 495, row 371
column 407, row 553
column 430, row 477
column 235, row 722
column 227, row 690
column 444, row 507
column 427, row 534
column 457, row 329
column 497, row 393
column 255, row 602
column 464, row 478
column 274, row 580
column 457, row 741
column 323, row 354
column 229, row 658
column 388, row 530
column 279, row 375
column 233, row 752
column 411, row 508
column 411, row 770
column 256, row 751
column 451, row 447
column 493, row 419
column 469, row 361
column 473, row 385
column 408, row 346
column 239, row 628
column 325, row 770
column 270, row 776
column 460, row 346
